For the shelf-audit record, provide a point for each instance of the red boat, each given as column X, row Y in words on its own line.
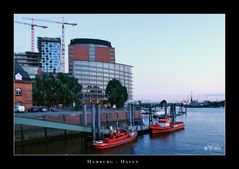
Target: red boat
column 165, row 125
column 115, row 139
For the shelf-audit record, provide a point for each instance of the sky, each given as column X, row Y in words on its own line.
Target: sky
column 172, row 54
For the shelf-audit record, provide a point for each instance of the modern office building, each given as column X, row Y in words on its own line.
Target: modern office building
column 92, row 62
column 50, row 50
column 90, row 50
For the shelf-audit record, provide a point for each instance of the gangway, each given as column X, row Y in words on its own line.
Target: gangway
column 50, row 124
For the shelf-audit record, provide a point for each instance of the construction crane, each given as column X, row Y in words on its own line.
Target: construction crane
column 62, row 37
column 32, row 31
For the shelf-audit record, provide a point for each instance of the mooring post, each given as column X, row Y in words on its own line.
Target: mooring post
column 84, row 115
column 172, row 111
column 129, row 113
column 186, row 109
column 93, row 120
column 132, row 111
column 64, row 120
column 98, row 121
column 22, row 135
column 107, row 120
column 45, row 129
column 150, row 116
column 165, row 108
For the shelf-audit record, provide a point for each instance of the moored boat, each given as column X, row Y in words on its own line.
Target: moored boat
column 114, row 139
column 165, row 125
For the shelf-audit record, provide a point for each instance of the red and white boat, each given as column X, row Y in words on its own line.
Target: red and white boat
column 115, row 139
column 165, row 125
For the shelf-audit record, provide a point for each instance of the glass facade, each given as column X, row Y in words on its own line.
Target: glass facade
column 94, row 77
column 51, row 56
column 50, row 49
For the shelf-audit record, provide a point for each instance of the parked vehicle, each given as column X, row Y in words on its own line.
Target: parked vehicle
column 53, row 109
column 18, row 109
column 44, row 109
column 35, row 109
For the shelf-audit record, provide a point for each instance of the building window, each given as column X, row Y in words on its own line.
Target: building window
column 18, row 92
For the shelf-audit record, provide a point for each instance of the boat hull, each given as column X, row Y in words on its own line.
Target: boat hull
column 113, row 144
column 173, row 127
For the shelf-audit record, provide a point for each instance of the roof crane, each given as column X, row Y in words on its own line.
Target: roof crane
column 62, row 38
column 32, row 29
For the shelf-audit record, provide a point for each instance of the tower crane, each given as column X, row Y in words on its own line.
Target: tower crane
column 62, row 37
column 32, row 31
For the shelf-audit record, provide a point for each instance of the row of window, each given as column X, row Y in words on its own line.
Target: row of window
column 89, row 80
column 103, row 86
column 105, row 74
column 104, row 65
column 99, row 71
column 53, row 64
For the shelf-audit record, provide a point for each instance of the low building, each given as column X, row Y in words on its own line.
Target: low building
column 22, row 87
column 32, row 59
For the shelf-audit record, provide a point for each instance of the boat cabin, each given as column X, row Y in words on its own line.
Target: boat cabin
column 164, row 122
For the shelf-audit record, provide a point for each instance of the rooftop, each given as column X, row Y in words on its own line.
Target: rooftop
column 90, row 41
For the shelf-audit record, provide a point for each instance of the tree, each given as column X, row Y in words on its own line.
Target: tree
column 50, row 89
column 116, row 93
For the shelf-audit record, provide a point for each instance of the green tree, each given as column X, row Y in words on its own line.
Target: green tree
column 116, row 93
column 51, row 89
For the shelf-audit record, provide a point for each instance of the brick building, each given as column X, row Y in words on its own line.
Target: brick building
column 83, row 49
column 92, row 62
column 22, row 87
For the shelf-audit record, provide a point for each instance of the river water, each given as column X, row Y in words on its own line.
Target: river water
column 204, row 134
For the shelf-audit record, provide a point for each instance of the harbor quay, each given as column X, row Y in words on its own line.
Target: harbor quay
column 107, row 118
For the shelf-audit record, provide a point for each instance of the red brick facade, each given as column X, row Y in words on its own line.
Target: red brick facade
column 102, row 54
column 81, row 53
column 25, row 98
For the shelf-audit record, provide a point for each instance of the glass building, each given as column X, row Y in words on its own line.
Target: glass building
column 92, row 62
column 50, row 49
column 94, row 77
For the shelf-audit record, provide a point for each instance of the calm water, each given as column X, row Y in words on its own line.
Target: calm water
column 204, row 134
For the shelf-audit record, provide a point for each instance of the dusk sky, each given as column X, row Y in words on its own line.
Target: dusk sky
column 171, row 54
